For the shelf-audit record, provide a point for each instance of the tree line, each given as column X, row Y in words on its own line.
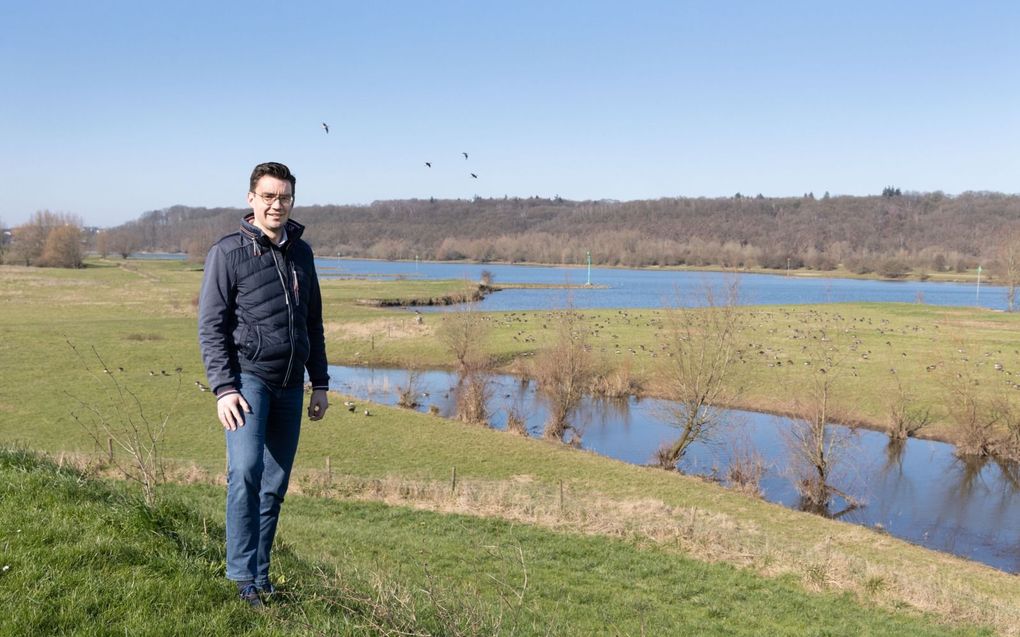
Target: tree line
column 892, row 234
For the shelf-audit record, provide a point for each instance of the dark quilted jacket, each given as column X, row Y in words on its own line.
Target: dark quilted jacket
column 260, row 311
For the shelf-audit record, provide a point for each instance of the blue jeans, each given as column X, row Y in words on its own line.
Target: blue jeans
column 259, row 459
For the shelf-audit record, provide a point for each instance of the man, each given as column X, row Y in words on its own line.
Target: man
column 260, row 326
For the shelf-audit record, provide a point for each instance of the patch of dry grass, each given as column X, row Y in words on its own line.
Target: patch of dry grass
column 390, row 328
column 700, row 533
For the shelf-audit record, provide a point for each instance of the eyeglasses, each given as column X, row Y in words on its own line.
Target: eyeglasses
column 269, row 198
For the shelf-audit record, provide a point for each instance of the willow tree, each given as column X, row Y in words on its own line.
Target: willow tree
column 564, row 371
column 465, row 334
column 701, row 350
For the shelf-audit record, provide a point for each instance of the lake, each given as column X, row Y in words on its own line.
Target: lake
column 637, row 288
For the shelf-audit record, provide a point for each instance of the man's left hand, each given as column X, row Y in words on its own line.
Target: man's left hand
column 318, row 404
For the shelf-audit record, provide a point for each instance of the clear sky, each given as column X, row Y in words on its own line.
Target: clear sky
column 110, row 109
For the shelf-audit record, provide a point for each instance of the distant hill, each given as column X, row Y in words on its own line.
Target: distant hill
column 883, row 233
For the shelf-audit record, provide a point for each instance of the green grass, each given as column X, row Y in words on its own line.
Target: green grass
column 141, row 316
column 82, row 557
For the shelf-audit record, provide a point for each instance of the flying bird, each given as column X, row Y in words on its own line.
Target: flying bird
column 474, row 175
column 325, row 127
column 465, row 156
column 429, row 164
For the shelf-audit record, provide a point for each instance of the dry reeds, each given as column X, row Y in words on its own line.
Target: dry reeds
column 516, row 423
column 618, row 382
column 473, row 393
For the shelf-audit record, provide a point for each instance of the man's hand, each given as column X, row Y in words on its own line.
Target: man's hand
column 318, row 404
column 231, row 409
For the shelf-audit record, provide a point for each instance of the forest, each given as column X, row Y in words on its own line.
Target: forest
column 893, row 234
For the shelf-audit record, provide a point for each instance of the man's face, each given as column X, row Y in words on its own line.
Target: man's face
column 271, row 217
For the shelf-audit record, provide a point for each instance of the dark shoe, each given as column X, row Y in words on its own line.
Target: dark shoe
column 266, row 589
column 249, row 593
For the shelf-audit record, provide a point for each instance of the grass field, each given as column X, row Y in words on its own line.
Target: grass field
column 140, row 318
column 82, row 557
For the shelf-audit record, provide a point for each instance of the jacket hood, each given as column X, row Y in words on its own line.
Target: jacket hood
column 253, row 232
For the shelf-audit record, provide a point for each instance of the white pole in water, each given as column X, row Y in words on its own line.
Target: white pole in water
column 977, row 296
column 589, row 269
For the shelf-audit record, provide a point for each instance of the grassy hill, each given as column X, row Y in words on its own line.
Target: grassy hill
column 83, row 556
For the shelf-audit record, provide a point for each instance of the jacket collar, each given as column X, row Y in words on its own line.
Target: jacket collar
column 255, row 234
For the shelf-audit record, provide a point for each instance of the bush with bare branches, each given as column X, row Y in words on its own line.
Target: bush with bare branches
column 473, row 395
column 410, row 390
column 465, row 333
column 973, row 415
column 123, row 421
column 563, row 371
column 818, row 447
column 702, row 349
column 905, row 417
column 1005, row 413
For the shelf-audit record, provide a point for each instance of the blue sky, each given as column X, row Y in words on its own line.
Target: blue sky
column 115, row 108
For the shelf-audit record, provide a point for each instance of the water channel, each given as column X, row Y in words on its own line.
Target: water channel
column 920, row 492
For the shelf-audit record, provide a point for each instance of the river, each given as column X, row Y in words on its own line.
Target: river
column 920, row 492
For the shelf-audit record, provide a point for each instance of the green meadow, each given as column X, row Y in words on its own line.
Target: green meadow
column 531, row 537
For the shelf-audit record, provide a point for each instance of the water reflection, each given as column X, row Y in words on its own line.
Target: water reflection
column 917, row 490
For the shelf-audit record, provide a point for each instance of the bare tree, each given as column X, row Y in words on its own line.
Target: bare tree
column 1008, row 257
column 817, row 446
column 563, row 371
column 62, row 248
column 701, row 350
column 197, row 246
column 29, row 238
column 465, row 334
column 125, row 240
column 48, row 239
column 103, row 243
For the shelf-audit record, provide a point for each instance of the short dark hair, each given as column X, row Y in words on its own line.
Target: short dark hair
column 273, row 169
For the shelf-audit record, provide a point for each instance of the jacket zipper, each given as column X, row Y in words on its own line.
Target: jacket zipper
column 290, row 317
